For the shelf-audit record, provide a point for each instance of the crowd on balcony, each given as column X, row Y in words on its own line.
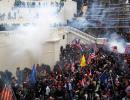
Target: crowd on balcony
column 84, row 72
column 33, row 4
column 17, row 10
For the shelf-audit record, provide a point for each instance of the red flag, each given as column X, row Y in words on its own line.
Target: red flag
column 7, row 93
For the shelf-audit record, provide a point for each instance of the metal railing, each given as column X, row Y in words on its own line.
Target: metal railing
column 117, row 14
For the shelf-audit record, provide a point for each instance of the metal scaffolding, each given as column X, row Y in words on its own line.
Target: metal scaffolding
column 112, row 13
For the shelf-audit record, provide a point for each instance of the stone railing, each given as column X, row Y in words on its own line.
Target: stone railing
column 81, row 33
column 88, row 37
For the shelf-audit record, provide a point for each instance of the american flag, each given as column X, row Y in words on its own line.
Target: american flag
column 7, row 93
column 91, row 56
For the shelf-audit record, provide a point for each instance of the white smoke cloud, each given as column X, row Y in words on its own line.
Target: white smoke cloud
column 115, row 40
column 29, row 39
column 96, row 16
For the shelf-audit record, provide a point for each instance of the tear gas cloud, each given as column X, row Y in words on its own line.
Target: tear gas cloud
column 97, row 15
column 29, row 39
column 115, row 40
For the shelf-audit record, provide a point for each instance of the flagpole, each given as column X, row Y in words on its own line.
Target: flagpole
column 110, row 72
column 102, row 74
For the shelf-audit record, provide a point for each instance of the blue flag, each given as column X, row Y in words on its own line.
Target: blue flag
column 32, row 77
column 104, row 78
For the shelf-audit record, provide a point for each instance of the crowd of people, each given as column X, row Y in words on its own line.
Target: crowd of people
column 16, row 13
column 104, row 77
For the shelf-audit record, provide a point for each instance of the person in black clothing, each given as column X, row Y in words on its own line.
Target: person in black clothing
column 59, row 93
column 91, row 90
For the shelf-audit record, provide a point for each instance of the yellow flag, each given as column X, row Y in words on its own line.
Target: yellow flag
column 83, row 61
